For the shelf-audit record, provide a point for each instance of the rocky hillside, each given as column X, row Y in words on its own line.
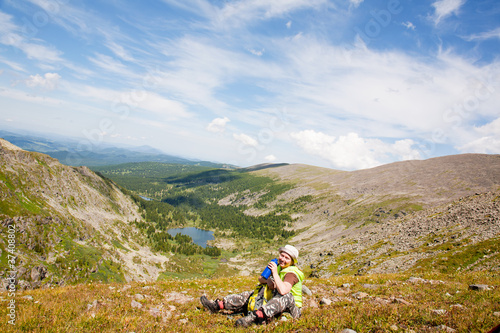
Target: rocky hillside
column 402, row 216
column 69, row 224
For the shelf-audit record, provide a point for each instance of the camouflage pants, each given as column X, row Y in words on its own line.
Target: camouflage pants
column 274, row 307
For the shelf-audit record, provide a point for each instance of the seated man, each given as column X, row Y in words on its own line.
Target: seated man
column 285, row 282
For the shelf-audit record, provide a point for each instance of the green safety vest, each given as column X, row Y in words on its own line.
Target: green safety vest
column 296, row 288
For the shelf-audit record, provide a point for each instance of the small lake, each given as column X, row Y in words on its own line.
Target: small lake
column 199, row 236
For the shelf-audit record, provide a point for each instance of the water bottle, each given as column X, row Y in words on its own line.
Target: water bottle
column 267, row 272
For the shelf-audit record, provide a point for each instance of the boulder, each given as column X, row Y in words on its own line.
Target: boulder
column 306, row 290
column 479, row 287
column 325, row 301
column 444, row 328
column 135, row 304
column 38, row 273
column 360, row 295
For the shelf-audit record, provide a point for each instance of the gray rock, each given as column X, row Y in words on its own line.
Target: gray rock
column 439, row 311
column 348, row 330
column 325, row 301
column 306, row 290
column 24, row 285
column 416, row 280
column 399, row 301
column 136, row 304
column 155, row 312
column 444, row 328
column 92, row 305
column 313, row 303
column 360, row 295
column 479, row 287
column 370, row 286
column 38, row 273
column 21, row 272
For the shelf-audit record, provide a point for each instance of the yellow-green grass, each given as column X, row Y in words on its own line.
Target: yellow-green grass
column 108, row 307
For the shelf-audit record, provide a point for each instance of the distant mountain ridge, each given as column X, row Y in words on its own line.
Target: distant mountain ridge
column 81, row 152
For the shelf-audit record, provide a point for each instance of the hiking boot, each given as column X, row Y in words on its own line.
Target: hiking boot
column 213, row 306
column 246, row 321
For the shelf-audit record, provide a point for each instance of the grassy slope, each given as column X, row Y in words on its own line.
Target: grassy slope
column 392, row 304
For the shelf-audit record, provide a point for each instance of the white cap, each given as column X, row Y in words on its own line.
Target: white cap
column 291, row 251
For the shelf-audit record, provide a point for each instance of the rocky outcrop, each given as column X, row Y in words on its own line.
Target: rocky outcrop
column 398, row 245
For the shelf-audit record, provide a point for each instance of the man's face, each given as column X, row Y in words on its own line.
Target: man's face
column 284, row 260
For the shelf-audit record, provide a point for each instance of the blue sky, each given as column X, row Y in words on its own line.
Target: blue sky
column 340, row 84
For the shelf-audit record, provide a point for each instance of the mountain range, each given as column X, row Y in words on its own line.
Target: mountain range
column 93, row 152
column 73, row 225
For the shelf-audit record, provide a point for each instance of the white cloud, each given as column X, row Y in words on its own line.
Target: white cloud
column 6, row 26
column 112, row 65
column 160, row 105
column 237, row 13
column 119, row 50
column 65, row 14
column 200, row 7
column 218, row 125
column 289, row 24
column 200, row 67
column 352, row 151
column 257, row 53
column 444, row 8
column 487, row 139
column 484, row 35
column 483, row 145
column 30, row 98
column 356, row 3
column 40, row 52
column 49, row 81
column 126, row 102
column 14, row 65
column 243, row 12
column 11, row 35
column 408, row 25
column 270, row 158
column 380, row 94
column 246, row 139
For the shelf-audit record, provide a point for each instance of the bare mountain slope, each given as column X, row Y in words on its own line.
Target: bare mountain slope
column 70, row 224
column 432, row 181
column 376, row 219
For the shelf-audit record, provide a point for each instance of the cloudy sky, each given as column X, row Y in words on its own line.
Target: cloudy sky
column 343, row 84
